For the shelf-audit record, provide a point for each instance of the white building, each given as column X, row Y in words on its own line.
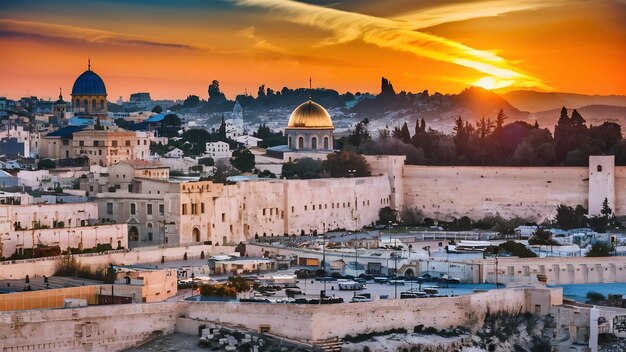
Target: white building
column 234, row 126
column 218, row 150
column 174, row 153
column 247, row 140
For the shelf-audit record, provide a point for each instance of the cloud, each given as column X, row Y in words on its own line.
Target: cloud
column 424, row 18
column 49, row 31
column 248, row 32
column 397, row 35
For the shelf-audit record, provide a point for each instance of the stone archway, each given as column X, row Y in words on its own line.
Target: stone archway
column 133, row 234
column 195, row 234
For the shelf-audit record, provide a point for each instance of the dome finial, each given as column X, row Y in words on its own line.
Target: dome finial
column 310, row 87
column 89, row 64
column 60, row 93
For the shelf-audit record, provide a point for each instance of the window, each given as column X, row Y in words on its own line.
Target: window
column 96, row 143
column 202, row 208
column 326, row 143
column 599, row 168
column 133, row 209
column 127, row 143
column 101, row 104
column 314, row 143
column 300, row 142
column 149, row 236
column 194, row 209
column 114, row 143
column 110, row 208
column 184, row 209
column 223, row 217
column 81, row 143
column 149, row 209
column 161, row 209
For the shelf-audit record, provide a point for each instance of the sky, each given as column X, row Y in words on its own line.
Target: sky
column 176, row 48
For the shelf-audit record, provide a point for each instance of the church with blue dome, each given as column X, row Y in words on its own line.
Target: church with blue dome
column 89, row 94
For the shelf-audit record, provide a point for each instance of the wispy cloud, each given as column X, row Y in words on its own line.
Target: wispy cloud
column 397, row 35
column 447, row 13
column 50, row 31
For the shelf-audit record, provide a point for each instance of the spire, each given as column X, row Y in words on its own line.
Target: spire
column 310, row 87
column 89, row 64
column 60, row 93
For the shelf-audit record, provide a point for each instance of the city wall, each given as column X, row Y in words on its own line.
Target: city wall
column 94, row 328
column 46, row 266
column 558, row 270
column 444, row 192
column 106, row 328
column 234, row 213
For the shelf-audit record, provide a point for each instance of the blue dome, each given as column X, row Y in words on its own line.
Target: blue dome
column 89, row 83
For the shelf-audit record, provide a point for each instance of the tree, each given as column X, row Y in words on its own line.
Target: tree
column 542, row 237
column 500, row 119
column 221, row 132
column 206, row 161
column 243, row 160
column 599, row 249
column 46, row 164
column 568, row 218
column 517, row 249
column 223, row 170
column 402, row 133
column 346, row 163
column 157, row 109
column 303, row 168
column 360, row 134
column 387, row 215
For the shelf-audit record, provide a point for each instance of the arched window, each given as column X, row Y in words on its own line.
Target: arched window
column 314, row 143
column 599, row 168
column 326, row 143
column 289, row 142
column 93, row 104
column 101, row 104
column 300, row 142
column 77, row 103
column 85, row 104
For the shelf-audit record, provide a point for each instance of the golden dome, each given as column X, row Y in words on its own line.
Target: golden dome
column 310, row 115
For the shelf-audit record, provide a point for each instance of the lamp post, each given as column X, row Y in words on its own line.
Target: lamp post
column 356, row 257
column 323, row 293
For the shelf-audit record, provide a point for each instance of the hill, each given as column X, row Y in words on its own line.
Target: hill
column 541, row 101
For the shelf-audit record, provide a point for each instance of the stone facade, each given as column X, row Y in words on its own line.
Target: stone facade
column 64, row 225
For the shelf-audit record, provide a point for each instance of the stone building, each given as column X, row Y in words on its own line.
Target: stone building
column 310, row 128
column 89, row 94
column 102, row 147
column 28, row 226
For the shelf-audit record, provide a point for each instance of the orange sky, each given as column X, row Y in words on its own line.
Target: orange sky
column 175, row 49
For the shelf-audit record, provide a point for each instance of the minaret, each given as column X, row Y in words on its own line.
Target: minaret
column 60, row 107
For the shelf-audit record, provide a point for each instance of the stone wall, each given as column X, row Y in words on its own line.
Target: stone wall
column 46, row 266
column 95, row 328
column 233, row 213
column 320, row 322
column 109, row 328
column 444, row 192
column 577, row 270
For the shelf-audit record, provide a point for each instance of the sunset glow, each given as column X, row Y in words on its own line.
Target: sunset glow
column 176, row 49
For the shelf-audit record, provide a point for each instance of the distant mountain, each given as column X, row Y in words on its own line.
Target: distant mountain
column 541, row 101
column 593, row 114
column 481, row 102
